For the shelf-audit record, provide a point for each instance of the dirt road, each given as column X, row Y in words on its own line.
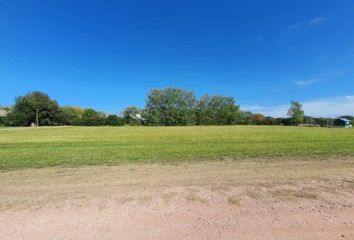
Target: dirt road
column 249, row 199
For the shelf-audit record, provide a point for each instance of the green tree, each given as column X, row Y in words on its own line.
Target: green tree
column 204, row 115
column 35, row 107
column 114, row 120
column 4, row 111
column 170, row 107
column 71, row 115
column 271, row 121
column 296, row 113
column 245, row 118
column 309, row 120
column 90, row 117
column 217, row 110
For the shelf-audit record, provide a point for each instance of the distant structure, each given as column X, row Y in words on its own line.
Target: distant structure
column 3, row 113
column 137, row 119
column 342, row 123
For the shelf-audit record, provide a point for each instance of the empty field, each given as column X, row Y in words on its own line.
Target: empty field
column 75, row 146
column 253, row 182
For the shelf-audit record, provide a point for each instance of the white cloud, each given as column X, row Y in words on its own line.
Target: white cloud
column 308, row 82
column 315, row 21
column 296, row 25
column 303, row 24
column 328, row 107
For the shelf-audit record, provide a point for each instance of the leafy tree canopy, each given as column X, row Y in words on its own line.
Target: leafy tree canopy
column 26, row 108
column 90, row 117
column 296, row 113
column 114, row 120
column 170, row 107
column 71, row 115
column 217, row 110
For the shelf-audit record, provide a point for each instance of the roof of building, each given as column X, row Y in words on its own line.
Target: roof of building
column 3, row 112
column 137, row 117
column 344, row 119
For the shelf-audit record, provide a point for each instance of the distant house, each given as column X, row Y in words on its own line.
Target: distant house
column 343, row 123
column 3, row 112
column 137, row 119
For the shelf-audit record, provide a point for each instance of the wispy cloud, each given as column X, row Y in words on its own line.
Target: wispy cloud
column 304, row 24
column 328, row 107
column 315, row 21
column 307, row 82
column 296, row 25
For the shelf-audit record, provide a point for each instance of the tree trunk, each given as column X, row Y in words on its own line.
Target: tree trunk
column 37, row 118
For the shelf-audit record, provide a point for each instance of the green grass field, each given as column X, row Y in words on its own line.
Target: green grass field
column 75, row 146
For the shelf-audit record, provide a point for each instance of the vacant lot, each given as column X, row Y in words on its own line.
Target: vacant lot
column 75, row 146
column 238, row 182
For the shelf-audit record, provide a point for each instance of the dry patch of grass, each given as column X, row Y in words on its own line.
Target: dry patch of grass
column 254, row 194
column 289, row 194
column 167, row 197
column 220, row 188
column 123, row 200
column 233, row 200
column 195, row 198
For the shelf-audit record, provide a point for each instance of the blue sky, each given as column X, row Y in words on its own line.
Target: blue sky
column 108, row 54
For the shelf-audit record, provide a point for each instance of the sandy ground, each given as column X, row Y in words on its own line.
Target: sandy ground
column 250, row 199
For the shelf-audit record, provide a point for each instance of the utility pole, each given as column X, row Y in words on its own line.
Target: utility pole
column 37, row 120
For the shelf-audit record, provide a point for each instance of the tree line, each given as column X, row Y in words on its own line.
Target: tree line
column 164, row 107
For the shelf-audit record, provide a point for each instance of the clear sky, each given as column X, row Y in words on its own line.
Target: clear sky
column 108, row 54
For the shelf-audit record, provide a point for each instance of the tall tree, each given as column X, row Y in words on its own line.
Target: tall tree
column 71, row 115
column 296, row 113
column 203, row 112
column 170, row 107
column 90, row 117
column 35, row 107
column 114, row 120
column 217, row 110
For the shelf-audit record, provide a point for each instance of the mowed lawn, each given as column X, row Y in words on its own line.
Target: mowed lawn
column 74, row 146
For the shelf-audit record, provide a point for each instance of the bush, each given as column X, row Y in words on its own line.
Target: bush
column 90, row 117
column 71, row 115
column 2, row 121
column 114, row 120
